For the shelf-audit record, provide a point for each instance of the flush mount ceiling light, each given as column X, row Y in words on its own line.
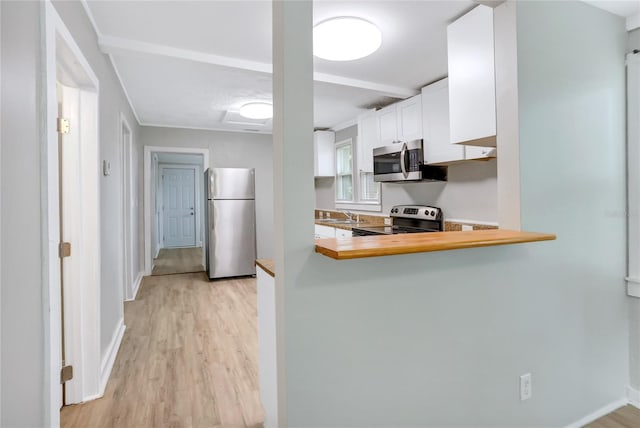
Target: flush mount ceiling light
column 345, row 38
column 257, row 110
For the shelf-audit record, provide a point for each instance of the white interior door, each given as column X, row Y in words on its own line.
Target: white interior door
column 178, row 196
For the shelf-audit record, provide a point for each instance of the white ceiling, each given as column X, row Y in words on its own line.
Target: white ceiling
column 624, row 8
column 191, row 64
column 187, row 63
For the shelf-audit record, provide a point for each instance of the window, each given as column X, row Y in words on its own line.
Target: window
column 369, row 189
column 357, row 191
column 344, row 172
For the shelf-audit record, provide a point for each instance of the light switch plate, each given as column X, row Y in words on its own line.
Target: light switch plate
column 106, row 168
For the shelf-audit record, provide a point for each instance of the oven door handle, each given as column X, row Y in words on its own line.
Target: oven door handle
column 403, row 160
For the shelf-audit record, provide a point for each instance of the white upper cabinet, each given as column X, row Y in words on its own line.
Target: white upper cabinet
column 324, row 154
column 472, row 88
column 409, row 114
column 435, row 122
column 368, row 139
column 388, row 120
column 401, row 121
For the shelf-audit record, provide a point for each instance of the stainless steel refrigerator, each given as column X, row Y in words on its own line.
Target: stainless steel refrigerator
column 231, row 222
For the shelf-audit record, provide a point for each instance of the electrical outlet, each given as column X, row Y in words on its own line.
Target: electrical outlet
column 328, row 214
column 526, row 389
column 387, row 221
column 466, row 227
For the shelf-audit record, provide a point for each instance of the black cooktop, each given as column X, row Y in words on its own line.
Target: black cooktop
column 388, row 230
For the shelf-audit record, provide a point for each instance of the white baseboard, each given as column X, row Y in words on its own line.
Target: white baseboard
column 136, row 286
column 599, row 413
column 633, row 395
column 110, row 356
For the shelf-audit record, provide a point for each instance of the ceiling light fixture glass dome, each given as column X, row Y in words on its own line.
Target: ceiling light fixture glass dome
column 345, row 38
column 257, row 110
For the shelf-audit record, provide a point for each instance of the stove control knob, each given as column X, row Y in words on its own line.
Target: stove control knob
column 426, row 213
column 433, row 213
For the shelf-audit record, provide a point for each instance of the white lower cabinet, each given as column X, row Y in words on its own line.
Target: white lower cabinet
column 342, row 233
column 268, row 366
column 325, row 231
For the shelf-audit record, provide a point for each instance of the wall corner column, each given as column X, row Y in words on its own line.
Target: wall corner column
column 294, row 197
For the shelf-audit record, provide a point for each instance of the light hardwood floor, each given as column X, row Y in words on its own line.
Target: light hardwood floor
column 178, row 260
column 189, row 358
column 624, row 417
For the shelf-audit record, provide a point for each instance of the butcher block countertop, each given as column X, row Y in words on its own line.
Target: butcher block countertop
column 267, row 265
column 389, row 245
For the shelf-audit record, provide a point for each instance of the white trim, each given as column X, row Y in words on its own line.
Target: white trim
column 148, row 150
column 633, row 22
column 136, row 287
column 599, row 413
column 117, row 45
column 127, row 212
column 633, row 396
column 344, row 125
column 359, row 207
column 202, row 128
column 109, row 357
column 387, row 90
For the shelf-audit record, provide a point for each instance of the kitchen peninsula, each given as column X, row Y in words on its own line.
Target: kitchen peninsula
column 388, row 245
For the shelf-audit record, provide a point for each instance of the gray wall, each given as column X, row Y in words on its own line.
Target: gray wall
column 230, row 149
column 469, row 194
column 407, row 340
column 22, row 321
column 112, row 103
column 633, row 41
column 325, row 193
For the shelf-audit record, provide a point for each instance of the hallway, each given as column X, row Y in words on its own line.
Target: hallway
column 178, row 260
column 189, row 358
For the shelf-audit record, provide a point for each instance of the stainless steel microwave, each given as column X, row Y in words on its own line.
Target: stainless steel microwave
column 403, row 161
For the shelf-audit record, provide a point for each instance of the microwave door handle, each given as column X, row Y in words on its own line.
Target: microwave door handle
column 403, row 163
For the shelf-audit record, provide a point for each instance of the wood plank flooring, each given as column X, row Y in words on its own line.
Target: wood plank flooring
column 178, row 260
column 625, row 417
column 189, row 358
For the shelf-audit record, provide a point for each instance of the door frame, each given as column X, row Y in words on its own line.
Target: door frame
column 130, row 283
column 197, row 188
column 85, row 307
column 148, row 209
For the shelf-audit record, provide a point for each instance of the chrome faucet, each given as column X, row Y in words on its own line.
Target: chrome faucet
column 347, row 213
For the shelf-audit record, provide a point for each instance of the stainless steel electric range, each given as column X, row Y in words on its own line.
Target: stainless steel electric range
column 407, row 219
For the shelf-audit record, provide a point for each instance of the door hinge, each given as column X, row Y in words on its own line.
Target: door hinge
column 64, row 249
column 66, row 374
column 63, row 125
